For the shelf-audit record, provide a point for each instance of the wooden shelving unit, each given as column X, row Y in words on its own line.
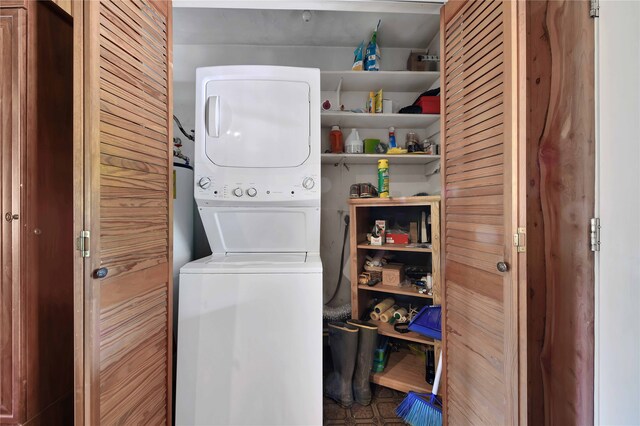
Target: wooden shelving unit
column 395, row 247
column 387, row 330
column 404, row 371
column 393, row 289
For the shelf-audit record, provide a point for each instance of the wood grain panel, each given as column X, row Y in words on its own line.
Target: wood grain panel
column 12, row 139
column 131, row 166
column 560, row 201
column 480, row 306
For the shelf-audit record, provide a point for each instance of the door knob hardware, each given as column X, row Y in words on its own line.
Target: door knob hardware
column 502, row 266
column 101, row 272
column 11, row 217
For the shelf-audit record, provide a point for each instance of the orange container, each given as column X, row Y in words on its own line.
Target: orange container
column 335, row 137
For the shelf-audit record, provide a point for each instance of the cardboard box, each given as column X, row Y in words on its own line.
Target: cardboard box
column 421, row 61
column 393, row 274
column 397, row 237
column 413, row 232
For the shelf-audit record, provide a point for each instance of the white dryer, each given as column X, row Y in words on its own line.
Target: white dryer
column 250, row 315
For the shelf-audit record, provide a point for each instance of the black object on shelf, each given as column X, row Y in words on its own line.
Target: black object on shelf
column 431, row 365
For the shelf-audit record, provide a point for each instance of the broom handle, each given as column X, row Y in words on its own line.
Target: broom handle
column 436, row 382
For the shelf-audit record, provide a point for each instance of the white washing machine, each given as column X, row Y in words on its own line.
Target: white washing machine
column 250, row 315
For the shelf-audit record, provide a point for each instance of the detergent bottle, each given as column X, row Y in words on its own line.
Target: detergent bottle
column 354, row 144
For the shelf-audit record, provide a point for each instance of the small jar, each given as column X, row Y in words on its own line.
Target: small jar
column 412, row 142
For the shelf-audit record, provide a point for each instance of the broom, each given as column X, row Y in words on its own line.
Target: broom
column 422, row 409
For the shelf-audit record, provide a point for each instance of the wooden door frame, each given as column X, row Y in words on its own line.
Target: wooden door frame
column 77, row 10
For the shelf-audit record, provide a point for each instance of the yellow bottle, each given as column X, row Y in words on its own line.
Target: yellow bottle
column 383, row 178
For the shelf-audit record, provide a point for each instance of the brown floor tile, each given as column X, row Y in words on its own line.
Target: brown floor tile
column 381, row 412
column 361, row 411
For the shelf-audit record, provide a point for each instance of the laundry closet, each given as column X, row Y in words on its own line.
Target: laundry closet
column 280, row 36
column 498, row 167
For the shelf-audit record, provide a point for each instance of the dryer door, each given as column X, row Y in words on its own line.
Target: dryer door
column 257, row 123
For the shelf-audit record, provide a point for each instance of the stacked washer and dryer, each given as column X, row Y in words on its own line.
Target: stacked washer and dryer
column 250, row 315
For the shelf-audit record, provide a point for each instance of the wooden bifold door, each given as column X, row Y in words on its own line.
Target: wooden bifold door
column 478, row 125
column 128, row 119
column 517, row 131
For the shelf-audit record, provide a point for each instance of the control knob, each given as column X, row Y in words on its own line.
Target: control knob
column 308, row 183
column 251, row 192
column 204, row 183
column 237, row 192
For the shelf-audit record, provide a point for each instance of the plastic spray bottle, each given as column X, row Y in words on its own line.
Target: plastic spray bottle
column 392, row 137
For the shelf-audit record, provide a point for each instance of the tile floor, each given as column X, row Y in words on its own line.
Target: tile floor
column 381, row 412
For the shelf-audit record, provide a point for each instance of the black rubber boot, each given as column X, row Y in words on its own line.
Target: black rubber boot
column 343, row 340
column 367, row 342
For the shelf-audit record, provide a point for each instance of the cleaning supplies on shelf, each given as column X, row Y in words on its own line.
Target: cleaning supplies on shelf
column 387, row 106
column 383, row 178
column 335, row 137
column 378, row 102
column 381, row 354
column 358, row 62
column 392, row 137
column 372, row 56
column 374, row 102
column 412, row 143
column 370, row 145
column 396, row 151
column 354, row 145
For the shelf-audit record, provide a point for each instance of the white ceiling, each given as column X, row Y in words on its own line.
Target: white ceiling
column 287, row 28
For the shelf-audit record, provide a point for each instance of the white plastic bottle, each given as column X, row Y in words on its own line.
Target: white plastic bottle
column 354, row 144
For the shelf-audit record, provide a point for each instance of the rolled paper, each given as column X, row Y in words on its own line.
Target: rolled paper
column 374, row 316
column 400, row 313
column 384, row 305
column 387, row 315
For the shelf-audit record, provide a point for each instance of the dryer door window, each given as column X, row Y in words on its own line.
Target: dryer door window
column 257, row 123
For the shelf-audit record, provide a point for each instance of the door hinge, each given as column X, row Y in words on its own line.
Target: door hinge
column 520, row 240
column 594, row 233
column 83, row 243
column 594, row 8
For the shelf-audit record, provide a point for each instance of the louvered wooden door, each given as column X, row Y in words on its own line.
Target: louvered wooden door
column 128, row 95
column 479, row 212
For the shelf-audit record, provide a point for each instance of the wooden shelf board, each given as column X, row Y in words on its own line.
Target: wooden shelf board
column 407, row 290
column 419, row 159
column 389, row 81
column 394, row 201
column 395, row 247
column 386, row 329
column 347, row 119
column 404, row 372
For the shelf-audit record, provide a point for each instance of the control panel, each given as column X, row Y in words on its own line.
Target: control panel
column 301, row 188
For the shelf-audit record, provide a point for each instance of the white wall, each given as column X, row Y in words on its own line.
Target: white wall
column 405, row 180
column 617, row 328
